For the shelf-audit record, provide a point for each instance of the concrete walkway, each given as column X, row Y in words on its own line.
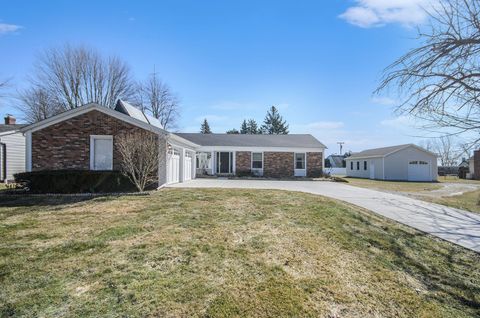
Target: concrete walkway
column 457, row 226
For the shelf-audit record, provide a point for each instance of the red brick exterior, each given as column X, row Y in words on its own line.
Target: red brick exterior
column 243, row 163
column 278, row 164
column 66, row 145
column 314, row 164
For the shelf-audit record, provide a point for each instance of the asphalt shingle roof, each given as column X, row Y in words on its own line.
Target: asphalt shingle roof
column 377, row 152
column 4, row 128
column 244, row 140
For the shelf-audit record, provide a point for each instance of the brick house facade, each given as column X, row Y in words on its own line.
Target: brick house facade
column 243, row 162
column 66, row 145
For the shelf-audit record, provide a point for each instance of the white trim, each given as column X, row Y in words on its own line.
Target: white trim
column 182, row 141
column 92, row 149
column 259, row 149
column 85, row 109
column 28, row 151
column 10, row 132
column 295, row 165
column 251, row 161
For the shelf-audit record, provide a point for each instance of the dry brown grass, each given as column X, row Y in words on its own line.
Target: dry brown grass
column 398, row 186
column 224, row 253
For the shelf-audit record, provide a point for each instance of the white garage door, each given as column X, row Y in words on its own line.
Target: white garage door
column 188, row 167
column 173, row 166
column 419, row 170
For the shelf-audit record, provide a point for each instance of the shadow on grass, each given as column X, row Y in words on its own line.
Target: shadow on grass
column 26, row 201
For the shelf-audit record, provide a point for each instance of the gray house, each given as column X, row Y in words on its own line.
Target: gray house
column 12, row 149
column 403, row 162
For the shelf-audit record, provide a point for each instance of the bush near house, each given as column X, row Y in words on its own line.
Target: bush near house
column 75, row 181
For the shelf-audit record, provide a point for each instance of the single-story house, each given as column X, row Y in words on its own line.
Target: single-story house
column 85, row 138
column 299, row 155
column 404, row 163
column 12, row 149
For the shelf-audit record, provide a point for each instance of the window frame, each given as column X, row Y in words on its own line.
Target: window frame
column 304, row 160
column 351, row 165
column 251, row 160
column 365, row 165
column 93, row 138
column 358, row 165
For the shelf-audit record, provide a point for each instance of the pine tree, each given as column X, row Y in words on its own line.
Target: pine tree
column 233, row 131
column 205, row 128
column 252, row 127
column 244, row 127
column 274, row 123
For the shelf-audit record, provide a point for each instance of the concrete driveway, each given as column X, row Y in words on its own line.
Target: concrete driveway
column 457, row 226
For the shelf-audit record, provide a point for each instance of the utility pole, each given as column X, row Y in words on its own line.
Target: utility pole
column 341, row 143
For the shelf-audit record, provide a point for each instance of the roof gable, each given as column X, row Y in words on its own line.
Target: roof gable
column 88, row 108
column 385, row 151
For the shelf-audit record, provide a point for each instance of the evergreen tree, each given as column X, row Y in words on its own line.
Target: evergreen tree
column 233, row 131
column 244, row 127
column 252, row 127
column 274, row 124
column 205, row 128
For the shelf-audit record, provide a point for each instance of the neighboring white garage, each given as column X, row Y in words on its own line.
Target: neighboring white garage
column 403, row 162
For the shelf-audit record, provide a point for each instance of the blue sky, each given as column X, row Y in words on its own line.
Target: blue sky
column 318, row 61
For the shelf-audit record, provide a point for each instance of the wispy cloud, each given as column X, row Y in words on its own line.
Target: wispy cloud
column 321, row 125
column 8, row 28
column 375, row 13
column 211, row 118
column 399, row 122
column 387, row 101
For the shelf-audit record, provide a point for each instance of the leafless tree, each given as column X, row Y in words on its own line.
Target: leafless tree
column 139, row 154
column 157, row 98
column 80, row 75
column 446, row 148
column 439, row 81
column 37, row 104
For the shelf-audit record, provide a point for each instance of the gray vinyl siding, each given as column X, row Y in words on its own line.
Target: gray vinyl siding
column 15, row 152
column 396, row 164
column 362, row 173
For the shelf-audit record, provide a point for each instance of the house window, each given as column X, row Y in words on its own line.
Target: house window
column 358, row 165
column 257, row 160
column 351, row 165
column 364, row 165
column 101, row 152
column 300, row 161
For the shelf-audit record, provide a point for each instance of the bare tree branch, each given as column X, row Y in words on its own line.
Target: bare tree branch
column 439, row 82
column 139, row 153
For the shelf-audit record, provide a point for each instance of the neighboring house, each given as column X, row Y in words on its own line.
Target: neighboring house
column 299, row 155
column 335, row 165
column 85, row 138
column 463, row 169
column 403, row 162
column 12, row 149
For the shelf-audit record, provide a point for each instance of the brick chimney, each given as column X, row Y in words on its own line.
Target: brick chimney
column 10, row 120
column 476, row 164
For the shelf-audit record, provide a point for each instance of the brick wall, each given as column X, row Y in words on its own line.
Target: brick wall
column 278, row 164
column 476, row 164
column 243, row 161
column 66, row 145
column 314, row 164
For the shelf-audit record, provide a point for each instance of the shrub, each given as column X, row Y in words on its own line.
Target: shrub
column 75, row 181
column 339, row 179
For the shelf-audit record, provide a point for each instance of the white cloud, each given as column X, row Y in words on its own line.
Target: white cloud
column 400, row 122
column 387, row 101
column 320, row 125
column 8, row 28
column 375, row 13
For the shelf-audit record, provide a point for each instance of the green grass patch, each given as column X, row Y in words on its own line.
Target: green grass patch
column 225, row 253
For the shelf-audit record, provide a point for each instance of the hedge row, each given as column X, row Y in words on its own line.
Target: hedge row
column 75, row 181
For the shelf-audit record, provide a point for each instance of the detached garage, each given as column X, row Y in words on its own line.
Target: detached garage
column 403, row 163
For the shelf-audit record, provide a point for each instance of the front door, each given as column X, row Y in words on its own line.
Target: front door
column 372, row 170
column 224, row 162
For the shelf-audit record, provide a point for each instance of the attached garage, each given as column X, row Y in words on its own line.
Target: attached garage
column 404, row 163
column 173, row 166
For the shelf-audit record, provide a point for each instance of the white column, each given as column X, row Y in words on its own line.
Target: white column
column 194, row 164
column 182, row 165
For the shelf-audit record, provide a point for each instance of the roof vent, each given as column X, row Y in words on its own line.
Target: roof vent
column 10, row 120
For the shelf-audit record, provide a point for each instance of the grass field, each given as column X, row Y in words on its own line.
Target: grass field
column 221, row 253
column 468, row 201
column 399, row 186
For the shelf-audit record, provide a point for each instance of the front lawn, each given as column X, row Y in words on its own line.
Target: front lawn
column 397, row 186
column 218, row 253
column 469, row 201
